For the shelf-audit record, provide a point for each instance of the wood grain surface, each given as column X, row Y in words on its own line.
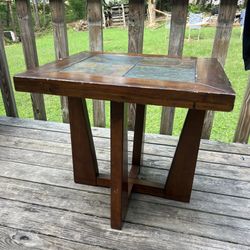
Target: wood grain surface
column 95, row 23
column 41, row 206
column 6, row 84
column 175, row 48
column 222, row 39
column 60, row 43
column 243, row 128
column 30, row 52
column 135, row 42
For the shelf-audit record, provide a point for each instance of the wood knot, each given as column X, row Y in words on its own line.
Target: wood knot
column 24, row 237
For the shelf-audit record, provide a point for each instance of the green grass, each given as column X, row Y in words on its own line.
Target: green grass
column 155, row 42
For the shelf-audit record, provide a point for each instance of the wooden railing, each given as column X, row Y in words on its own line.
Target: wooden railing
column 135, row 45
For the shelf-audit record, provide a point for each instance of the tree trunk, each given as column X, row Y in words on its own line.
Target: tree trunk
column 151, row 12
column 13, row 25
column 7, row 14
column 44, row 13
column 37, row 21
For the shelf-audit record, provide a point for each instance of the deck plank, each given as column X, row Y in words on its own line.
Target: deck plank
column 88, row 205
column 15, row 239
column 37, row 141
column 236, row 148
column 201, row 183
column 150, row 148
column 201, row 201
column 39, row 199
column 96, row 231
column 233, row 178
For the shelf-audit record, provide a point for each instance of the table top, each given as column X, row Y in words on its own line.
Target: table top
column 146, row 79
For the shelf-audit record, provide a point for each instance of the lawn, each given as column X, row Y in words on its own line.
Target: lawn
column 155, row 41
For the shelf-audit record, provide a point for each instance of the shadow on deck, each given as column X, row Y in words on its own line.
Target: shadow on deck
column 42, row 208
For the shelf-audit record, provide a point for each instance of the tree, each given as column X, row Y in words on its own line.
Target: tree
column 7, row 14
column 151, row 12
column 37, row 21
column 164, row 5
column 44, row 12
column 79, row 8
column 12, row 20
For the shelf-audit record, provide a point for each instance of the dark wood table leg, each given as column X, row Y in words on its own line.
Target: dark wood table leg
column 180, row 178
column 119, row 164
column 83, row 150
column 138, row 145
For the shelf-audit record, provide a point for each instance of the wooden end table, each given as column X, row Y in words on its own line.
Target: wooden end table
column 196, row 84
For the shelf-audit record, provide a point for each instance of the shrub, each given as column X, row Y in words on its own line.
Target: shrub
column 77, row 9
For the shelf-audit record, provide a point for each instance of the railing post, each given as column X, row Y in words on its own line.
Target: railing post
column 220, row 48
column 135, row 41
column 175, row 48
column 5, row 82
column 30, row 52
column 60, row 43
column 243, row 129
column 96, row 44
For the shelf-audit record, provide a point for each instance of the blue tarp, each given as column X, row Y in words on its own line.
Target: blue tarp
column 195, row 20
column 242, row 17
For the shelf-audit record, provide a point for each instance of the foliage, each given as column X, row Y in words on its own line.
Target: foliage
column 3, row 13
column 77, row 9
column 5, row 19
column 194, row 8
column 164, row 5
column 198, row 8
column 45, row 18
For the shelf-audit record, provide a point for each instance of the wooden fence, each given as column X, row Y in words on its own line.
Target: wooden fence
column 136, row 30
column 119, row 15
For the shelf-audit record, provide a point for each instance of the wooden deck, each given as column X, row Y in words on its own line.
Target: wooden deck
column 42, row 208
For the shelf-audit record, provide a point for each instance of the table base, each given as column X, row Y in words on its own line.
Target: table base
column 180, row 178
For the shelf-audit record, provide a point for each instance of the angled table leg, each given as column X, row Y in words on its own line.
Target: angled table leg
column 180, row 178
column 140, row 119
column 138, row 144
column 83, row 150
column 119, row 164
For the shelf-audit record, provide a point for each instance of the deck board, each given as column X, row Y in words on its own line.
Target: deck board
column 39, row 199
